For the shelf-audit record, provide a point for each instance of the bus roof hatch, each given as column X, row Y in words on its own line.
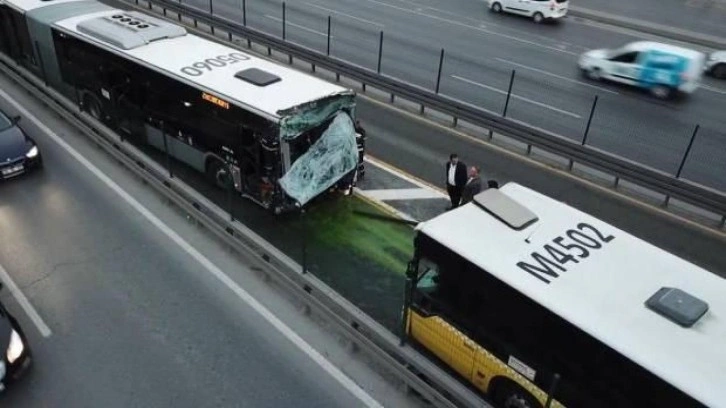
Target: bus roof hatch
column 505, row 209
column 677, row 305
column 129, row 30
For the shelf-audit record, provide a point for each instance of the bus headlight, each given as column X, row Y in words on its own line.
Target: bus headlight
column 16, row 347
column 32, row 152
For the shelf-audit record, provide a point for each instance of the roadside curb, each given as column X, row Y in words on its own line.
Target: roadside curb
column 649, row 27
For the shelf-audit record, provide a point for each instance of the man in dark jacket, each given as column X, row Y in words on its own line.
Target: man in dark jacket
column 472, row 187
column 455, row 179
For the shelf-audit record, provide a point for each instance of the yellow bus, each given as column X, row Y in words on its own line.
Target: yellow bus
column 538, row 304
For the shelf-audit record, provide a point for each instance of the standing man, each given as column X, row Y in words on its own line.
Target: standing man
column 455, row 179
column 472, row 187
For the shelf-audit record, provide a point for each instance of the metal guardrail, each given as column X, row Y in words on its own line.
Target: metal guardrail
column 379, row 344
column 655, row 180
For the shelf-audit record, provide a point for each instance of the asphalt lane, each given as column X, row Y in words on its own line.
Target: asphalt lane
column 135, row 320
column 701, row 16
column 482, row 50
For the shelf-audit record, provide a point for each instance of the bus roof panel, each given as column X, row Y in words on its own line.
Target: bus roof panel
column 605, row 293
column 212, row 66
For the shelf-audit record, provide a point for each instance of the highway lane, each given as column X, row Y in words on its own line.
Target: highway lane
column 481, row 51
column 701, row 16
column 136, row 320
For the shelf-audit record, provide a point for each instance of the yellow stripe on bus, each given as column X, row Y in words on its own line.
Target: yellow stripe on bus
column 465, row 356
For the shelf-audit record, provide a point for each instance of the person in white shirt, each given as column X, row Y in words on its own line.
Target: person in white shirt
column 455, row 179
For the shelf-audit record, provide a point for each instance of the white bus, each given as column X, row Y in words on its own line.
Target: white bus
column 285, row 136
column 536, row 303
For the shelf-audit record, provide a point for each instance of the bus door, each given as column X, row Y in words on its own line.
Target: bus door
column 433, row 331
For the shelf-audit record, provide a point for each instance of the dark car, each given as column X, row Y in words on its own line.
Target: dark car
column 16, row 354
column 18, row 152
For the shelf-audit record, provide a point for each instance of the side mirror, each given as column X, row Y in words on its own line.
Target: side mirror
column 15, row 119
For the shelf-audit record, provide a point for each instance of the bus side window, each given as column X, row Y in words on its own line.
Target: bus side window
column 428, row 273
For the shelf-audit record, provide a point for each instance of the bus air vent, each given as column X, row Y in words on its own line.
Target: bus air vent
column 677, row 305
column 257, row 77
column 129, row 30
column 505, row 209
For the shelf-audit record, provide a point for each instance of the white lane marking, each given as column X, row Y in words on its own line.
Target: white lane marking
column 398, row 173
column 22, row 300
column 296, row 25
column 458, row 23
column 402, row 194
column 515, row 96
column 286, row 331
column 712, row 89
column 362, row 20
column 389, row 208
column 556, row 76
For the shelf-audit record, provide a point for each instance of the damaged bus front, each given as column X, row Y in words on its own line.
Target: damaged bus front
column 314, row 149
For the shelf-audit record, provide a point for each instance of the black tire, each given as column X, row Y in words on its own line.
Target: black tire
column 593, row 73
column 719, row 71
column 497, row 8
column 538, row 17
column 217, row 173
column 92, row 105
column 510, row 395
column 662, row 91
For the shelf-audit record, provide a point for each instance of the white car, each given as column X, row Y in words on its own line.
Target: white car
column 538, row 10
column 716, row 64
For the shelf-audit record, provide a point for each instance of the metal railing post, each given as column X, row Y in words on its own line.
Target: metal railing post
column 328, row 50
column 688, row 150
column 589, row 121
column 683, row 160
column 230, row 187
column 441, row 65
column 553, row 387
column 283, row 21
column 587, row 129
column 509, row 93
column 304, row 242
column 211, row 13
column 40, row 62
column 404, row 312
column 380, row 51
column 166, row 150
column 244, row 13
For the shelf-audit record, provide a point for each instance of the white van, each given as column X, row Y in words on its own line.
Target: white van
column 661, row 68
column 538, row 10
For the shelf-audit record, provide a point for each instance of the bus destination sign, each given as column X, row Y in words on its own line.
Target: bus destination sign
column 219, row 102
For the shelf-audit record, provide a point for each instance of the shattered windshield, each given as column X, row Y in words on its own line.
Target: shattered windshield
column 331, row 157
column 300, row 119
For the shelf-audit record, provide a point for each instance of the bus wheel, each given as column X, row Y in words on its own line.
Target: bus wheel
column 510, row 395
column 217, row 172
column 93, row 106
